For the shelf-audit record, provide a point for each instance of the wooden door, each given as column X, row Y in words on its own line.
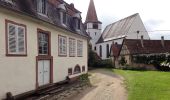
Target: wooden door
column 43, row 72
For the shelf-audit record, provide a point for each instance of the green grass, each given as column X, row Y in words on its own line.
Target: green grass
column 146, row 85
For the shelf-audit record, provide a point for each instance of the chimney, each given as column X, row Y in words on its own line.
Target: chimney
column 162, row 41
column 72, row 5
column 142, row 41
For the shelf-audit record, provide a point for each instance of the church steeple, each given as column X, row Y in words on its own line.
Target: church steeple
column 91, row 14
column 93, row 25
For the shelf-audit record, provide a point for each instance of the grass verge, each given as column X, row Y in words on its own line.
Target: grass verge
column 146, row 85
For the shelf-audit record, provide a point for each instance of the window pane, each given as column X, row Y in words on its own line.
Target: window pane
column 43, row 43
column 62, row 45
column 16, row 39
column 12, row 38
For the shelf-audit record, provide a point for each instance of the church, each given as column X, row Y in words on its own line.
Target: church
column 130, row 27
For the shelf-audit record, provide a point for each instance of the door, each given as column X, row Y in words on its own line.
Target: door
column 43, row 72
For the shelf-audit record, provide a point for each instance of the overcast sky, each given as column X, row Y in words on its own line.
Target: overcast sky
column 154, row 13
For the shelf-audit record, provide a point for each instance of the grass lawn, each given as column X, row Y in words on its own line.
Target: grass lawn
column 146, row 85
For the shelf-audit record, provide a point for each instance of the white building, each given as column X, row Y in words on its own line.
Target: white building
column 130, row 27
column 42, row 42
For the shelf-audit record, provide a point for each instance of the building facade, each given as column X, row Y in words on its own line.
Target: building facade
column 42, row 42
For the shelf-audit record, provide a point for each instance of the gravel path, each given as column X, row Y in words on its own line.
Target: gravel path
column 105, row 86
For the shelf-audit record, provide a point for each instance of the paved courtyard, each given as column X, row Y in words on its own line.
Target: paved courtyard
column 105, row 86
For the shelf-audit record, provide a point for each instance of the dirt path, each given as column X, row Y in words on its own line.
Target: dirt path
column 105, row 86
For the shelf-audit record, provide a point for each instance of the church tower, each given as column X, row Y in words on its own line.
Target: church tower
column 93, row 25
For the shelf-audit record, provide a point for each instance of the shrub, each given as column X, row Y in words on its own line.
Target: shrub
column 105, row 63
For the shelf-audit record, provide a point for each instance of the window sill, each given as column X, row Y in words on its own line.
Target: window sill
column 16, row 55
column 62, row 55
column 41, row 14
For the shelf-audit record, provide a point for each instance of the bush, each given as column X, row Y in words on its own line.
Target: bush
column 105, row 63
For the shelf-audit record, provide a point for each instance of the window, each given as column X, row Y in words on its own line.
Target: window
column 100, row 51
column 78, row 21
column 70, row 72
column 83, row 69
column 95, row 26
column 63, row 17
column 41, row 6
column 43, row 43
column 16, row 38
column 95, row 33
column 107, row 51
column 62, row 44
column 79, row 48
column 72, row 47
column 77, row 69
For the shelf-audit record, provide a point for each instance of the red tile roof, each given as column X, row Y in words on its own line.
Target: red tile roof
column 115, row 50
column 91, row 14
column 150, row 46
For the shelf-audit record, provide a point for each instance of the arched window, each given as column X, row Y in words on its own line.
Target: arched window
column 107, row 51
column 100, row 51
column 77, row 69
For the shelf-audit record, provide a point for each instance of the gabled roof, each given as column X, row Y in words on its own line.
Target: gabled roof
column 117, row 29
column 150, row 46
column 91, row 13
column 28, row 8
column 115, row 50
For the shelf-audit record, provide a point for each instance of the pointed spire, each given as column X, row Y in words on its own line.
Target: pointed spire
column 91, row 14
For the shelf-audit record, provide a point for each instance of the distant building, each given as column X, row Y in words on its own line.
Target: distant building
column 42, row 43
column 135, row 47
column 130, row 27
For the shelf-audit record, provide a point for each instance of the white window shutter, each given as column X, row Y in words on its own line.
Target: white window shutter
column 21, row 38
column 12, row 48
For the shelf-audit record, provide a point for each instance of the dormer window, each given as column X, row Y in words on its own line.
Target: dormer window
column 78, row 24
column 77, row 17
column 63, row 15
column 42, row 6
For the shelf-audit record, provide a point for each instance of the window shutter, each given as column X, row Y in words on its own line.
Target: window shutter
column 11, row 38
column 21, row 38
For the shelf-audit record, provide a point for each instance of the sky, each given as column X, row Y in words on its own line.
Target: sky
column 155, row 14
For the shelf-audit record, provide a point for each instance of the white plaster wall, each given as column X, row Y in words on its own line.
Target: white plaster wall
column 104, row 50
column 94, row 33
column 137, row 25
column 18, row 74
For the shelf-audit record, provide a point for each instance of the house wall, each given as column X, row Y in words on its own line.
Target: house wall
column 18, row 74
column 137, row 25
column 94, row 34
column 104, row 50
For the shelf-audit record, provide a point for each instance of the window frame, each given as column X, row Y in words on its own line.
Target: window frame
column 78, row 24
column 63, row 17
column 49, row 41
column 7, row 22
column 59, row 54
column 45, row 5
column 73, row 47
column 78, row 47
